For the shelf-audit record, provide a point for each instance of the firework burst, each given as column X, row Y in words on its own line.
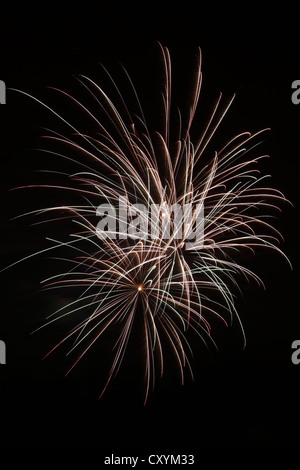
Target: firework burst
column 171, row 281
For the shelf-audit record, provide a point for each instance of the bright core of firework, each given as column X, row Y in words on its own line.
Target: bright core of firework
column 187, row 287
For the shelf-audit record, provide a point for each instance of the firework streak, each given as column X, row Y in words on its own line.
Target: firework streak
column 181, row 279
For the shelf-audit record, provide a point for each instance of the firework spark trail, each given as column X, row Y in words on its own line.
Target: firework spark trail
column 173, row 284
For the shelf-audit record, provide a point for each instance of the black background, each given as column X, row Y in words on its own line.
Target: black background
column 240, row 399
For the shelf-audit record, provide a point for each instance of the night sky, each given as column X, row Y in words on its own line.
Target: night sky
column 240, row 398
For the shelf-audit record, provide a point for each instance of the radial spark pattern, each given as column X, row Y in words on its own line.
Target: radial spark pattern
column 174, row 282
